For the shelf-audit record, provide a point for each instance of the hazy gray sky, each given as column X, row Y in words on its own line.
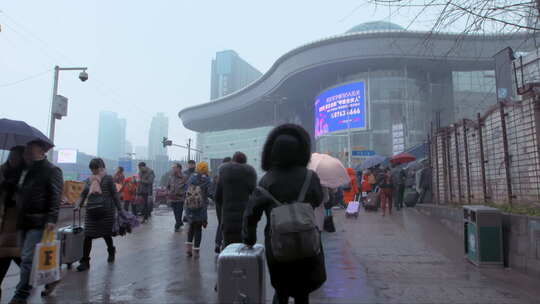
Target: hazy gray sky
column 145, row 57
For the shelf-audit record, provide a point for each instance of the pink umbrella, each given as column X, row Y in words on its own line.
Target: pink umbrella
column 330, row 170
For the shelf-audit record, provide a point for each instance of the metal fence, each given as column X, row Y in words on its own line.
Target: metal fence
column 493, row 159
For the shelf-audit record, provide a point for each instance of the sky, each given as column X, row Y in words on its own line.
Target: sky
column 145, row 57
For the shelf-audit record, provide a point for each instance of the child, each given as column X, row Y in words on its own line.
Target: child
column 196, row 204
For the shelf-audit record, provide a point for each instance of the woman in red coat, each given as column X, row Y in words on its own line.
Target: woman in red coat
column 350, row 193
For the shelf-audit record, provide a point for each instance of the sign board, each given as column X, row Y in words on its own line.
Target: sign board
column 67, row 156
column 59, row 106
column 398, row 138
column 362, row 153
column 341, row 108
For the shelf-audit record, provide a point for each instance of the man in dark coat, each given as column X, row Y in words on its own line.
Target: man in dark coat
column 219, row 234
column 236, row 182
column 38, row 201
column 398, row 181
column 176, row 187
column 145, row 188
column 285, row 156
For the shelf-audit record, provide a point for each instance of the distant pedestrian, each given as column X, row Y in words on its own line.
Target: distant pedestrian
column 196, row 204
column 398, row 185
column 176, row 189
column 39, row 193
column 367, row 180
column 351, row 190
column 191, row 168
column 10, row 173
column 384, row 181
column 119, row 177
column 285, row 156
column 236, row 183
column 128, row 193
column 101, row 201
column 219, row 234
column 145, row 189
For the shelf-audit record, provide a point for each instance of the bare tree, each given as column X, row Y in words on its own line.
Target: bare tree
column 470, row 16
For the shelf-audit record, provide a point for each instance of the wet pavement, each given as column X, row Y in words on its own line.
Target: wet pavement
column 403, row 258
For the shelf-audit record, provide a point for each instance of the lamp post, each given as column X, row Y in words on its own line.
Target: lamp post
column 83, row 76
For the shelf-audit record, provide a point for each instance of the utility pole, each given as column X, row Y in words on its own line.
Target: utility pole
column 189, row 149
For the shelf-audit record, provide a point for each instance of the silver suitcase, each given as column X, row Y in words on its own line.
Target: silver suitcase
column 71, row 242
column 241, row 274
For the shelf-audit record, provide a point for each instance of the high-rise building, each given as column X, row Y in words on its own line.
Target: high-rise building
column 158, row 129
column 111, row 136
column 230, row 73
column 129, row 147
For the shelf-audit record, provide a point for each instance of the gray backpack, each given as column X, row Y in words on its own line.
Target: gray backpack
column 293, row 232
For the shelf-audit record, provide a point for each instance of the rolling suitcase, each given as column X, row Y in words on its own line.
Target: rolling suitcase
column 410, row 197
column 352, row 209
column 241, row 274
column 71, row 242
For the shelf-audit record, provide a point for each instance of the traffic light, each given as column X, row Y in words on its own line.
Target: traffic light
column 166, row 142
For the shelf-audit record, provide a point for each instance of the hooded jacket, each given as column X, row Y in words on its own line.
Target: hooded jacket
column 286, row 154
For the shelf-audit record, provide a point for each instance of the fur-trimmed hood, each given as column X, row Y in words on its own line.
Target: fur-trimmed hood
column 290, row 150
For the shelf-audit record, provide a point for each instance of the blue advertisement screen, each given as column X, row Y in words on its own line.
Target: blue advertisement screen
column 341, row 108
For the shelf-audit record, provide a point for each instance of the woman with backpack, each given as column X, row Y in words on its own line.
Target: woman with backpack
column 196, row 203
column 101, row 201
column 296, row 269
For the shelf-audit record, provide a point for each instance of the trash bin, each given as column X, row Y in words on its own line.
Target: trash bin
column 483, row 235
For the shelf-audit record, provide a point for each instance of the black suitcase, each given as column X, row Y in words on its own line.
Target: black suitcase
column 410, row 197
column 372, row 201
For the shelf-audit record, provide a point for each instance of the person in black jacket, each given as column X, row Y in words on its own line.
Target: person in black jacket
column 38, row 201
column 101, row 201
column 285, row 156
column 219, row 234
column 236, row 182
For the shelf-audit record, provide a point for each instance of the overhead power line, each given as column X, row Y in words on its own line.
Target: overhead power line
column 8, row 84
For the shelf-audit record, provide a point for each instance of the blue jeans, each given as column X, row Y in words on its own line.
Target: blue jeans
column 178, row 208
column 28, row 239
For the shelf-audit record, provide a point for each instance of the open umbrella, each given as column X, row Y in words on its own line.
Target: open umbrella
column 371, row 162
column 402, row 158
column 330, row 170
column 18, row 133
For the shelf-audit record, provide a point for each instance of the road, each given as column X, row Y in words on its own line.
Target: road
column 403, row 258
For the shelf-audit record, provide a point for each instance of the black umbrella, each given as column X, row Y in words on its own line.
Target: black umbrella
column 18, row 133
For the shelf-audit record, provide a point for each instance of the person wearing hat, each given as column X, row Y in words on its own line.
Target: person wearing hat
column 38, row 201
column 196, row 203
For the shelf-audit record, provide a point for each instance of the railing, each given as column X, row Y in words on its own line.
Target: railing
column 493, row 159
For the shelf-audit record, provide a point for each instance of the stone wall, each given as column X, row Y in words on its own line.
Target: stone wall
column 521, row 235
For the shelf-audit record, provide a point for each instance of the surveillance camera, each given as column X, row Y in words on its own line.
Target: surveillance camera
column 83, row 76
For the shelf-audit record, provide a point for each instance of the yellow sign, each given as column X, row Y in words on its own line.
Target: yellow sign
column 48, row 255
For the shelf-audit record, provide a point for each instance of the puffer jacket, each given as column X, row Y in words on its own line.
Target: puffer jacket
column 176, row 187
column 38, row 196
column 198, row 215
column 146, row 181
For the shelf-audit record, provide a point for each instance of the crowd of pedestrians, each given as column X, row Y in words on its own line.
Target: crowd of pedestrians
column 31, row 191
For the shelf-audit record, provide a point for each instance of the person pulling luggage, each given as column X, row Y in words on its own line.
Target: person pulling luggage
column 297, row 268
column 101, row 201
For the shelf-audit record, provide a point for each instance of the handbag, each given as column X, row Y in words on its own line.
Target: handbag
column 97, row 204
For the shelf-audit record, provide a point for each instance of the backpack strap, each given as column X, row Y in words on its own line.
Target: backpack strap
column 305, row 186
column 269, row 195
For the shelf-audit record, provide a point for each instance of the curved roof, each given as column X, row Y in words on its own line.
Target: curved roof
column 305, row 66
column 376, row 26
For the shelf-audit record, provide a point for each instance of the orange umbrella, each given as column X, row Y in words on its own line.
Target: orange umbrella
column 402, row 158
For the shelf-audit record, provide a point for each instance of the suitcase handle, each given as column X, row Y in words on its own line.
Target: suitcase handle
column 74, row 212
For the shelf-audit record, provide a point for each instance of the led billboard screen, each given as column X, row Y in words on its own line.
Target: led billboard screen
column 341, row 108
column 67, row 156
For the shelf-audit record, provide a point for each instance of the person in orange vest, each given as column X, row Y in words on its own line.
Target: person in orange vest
column 128, row 190
column 350, row 192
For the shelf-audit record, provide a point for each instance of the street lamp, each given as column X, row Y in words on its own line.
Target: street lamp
column 83, row 76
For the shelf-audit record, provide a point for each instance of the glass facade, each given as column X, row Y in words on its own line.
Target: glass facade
column 220, row 144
